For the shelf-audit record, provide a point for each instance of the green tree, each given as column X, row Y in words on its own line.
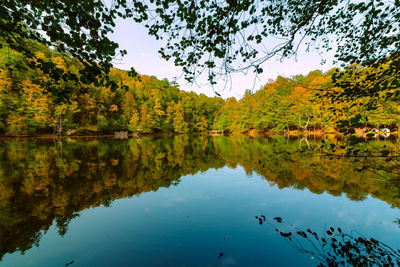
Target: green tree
column 63, row 117
column 178, row 119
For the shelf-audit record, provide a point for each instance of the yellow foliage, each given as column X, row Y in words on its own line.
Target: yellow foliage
column 16, row 124
column 5, row 82
column 113, row 108
column 60, row 63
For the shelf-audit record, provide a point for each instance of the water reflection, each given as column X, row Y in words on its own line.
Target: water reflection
column 43, row 181
column 334, row 247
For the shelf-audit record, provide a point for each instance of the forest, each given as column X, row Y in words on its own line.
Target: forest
column 58, row 77
column 30, row 104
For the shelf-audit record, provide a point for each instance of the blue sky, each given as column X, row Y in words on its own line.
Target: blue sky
column 142, row 55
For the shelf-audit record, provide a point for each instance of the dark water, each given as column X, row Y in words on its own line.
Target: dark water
column 190, row 201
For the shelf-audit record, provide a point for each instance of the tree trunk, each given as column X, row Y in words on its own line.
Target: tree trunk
column 305, row 126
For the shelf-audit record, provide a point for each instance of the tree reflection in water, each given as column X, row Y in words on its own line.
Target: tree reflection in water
column 334, row 247
column 44, row 181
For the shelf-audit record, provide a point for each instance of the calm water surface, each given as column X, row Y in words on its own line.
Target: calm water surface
column 184, row 201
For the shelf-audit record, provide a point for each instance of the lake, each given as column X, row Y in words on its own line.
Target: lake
column 193, row 201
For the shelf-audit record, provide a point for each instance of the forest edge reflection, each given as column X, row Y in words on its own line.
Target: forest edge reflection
column 42, row 182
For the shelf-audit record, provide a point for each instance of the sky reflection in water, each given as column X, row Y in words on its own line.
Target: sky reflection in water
column 179, row 201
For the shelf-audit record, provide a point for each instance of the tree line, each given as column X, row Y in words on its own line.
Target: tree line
column 141, row 104
column 311, row 102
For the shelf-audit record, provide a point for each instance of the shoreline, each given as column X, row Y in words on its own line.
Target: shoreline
column 293, row 133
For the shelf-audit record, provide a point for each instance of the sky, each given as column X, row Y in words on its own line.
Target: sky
column 143, row 56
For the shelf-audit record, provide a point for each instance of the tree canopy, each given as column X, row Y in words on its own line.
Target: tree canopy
column 76, row 29
column 226, row 36
column 219, row 37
